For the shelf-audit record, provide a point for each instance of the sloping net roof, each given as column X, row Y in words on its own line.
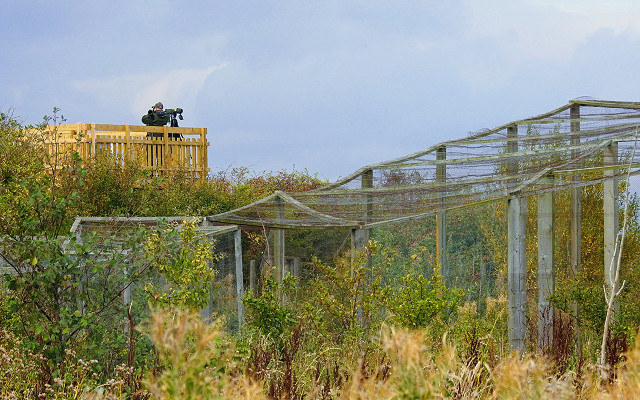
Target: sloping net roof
column 564, row 148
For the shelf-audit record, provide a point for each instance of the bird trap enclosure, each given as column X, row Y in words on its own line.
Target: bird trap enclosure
column 581, row 144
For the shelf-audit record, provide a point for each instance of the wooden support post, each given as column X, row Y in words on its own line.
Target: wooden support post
column 252, row 277
column 297, row 263
column 516, row 272
column 278, row 251
column 239, row 276
column 127, row 143
column 360, row 237
column 576, row 223
column 546, row 281
column 611, row 215
column 441, row 232
column 203, row 155
column 367, row 210
column 93, row 139
column 516, row 252
column 165, row 149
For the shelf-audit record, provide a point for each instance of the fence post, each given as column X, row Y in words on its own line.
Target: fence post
column 93, row 139
column 165, row 149
column 203, row 149
column 127, row 143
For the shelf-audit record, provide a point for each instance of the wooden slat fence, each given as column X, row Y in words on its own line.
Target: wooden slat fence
column 169, row 149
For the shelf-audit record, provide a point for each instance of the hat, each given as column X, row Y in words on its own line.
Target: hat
column 159, row 105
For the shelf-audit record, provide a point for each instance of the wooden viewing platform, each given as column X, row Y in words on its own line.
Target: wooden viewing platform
column 170, row 149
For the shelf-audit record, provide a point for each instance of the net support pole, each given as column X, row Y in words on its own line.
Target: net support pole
column 252, row 277
column 441, row 233
column 611, row 214
column 297, row 262
column 516, row 253
column 576, row 223
column 516, row 272
column 546, row 276
column 278, row 251
column 237, row 238
column 360, row 237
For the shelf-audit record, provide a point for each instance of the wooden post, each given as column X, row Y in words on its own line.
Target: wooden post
column 203, row 149
column 576, row 224
column 441, row 232
column 611, row 215
column 252, row 277
column 360, row 237
column 516, row 271
column 127, row 143
column 93, row 139
column 546, row 281
column 364, row 234
column 516, row 253
column 239, row 276
column 297, row 263
column 165, row 149
column 278, row 250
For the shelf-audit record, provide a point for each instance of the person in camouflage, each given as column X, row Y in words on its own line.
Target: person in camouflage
column 155, row 117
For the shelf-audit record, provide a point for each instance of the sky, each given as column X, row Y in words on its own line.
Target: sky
column 323, row 86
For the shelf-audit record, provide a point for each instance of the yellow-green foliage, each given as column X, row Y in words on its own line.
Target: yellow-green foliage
column 183, row 258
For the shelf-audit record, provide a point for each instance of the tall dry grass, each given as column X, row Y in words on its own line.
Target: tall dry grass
column 198, row 360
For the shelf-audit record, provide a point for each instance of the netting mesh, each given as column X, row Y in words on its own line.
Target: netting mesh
column 582, row 143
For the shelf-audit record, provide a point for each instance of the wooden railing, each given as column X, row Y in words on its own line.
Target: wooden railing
column 160, row 149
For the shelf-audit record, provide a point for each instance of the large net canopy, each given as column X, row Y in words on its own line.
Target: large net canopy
column 582, row 143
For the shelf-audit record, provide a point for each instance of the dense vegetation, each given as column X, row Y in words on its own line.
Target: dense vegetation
column 386, row 325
